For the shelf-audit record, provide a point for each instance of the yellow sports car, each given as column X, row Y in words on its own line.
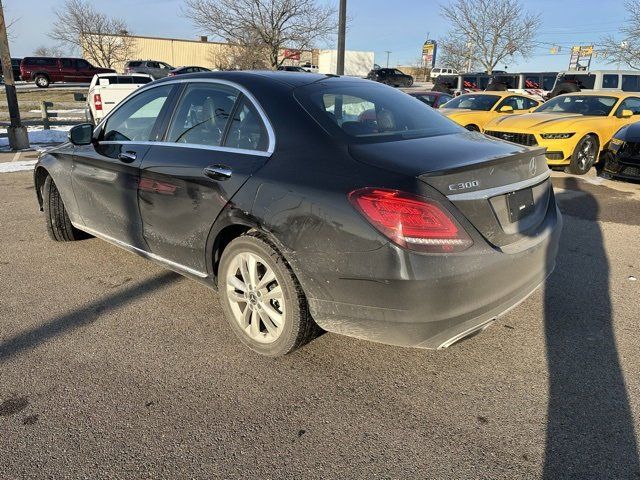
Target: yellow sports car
column 575, row 127
column 474, row 110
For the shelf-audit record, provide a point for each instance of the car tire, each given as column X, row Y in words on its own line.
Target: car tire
column 585, row 155
column 271, row 324
column 472, row 128
column 59, row 226
column 410, row 82
column 42, row 81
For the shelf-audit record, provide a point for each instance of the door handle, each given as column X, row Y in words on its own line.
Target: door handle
column 218, row 172
column 127, row 157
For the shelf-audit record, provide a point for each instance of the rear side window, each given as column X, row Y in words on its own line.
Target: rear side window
column 631, row 83
column 66, row 63
column 202, row 114
column 123, row 80
column 247, row 131
column 548, row 81
column 371, row 113
column 610, row 81
column 135, row 119
column 585, row 82
column 45, row 62
column 153, row 65
column 532, row 81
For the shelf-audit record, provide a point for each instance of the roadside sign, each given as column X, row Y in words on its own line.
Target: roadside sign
column 580, row 57
column 429, row 53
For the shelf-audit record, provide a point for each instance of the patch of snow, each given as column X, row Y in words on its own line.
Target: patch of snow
column 9, row 167
column 38, row 136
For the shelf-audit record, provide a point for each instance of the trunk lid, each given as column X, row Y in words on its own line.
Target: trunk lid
column 501, row 188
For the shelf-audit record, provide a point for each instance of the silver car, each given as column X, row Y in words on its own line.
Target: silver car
column 151, row 67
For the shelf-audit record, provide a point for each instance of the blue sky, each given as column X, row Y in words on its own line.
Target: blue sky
column 378, row 25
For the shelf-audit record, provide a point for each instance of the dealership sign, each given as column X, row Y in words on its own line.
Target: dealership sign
column 429, row 53
column 292, row 54
column 581, row 57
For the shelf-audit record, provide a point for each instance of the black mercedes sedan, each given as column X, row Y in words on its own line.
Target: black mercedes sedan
column 311, row 202
column 622, row 157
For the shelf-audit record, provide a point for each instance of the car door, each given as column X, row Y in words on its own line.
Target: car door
column 217, row 138
column 105, row 174
column 629, row 103
column 67, row 71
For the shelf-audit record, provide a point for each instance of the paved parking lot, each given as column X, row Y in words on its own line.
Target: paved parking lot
column 113, row 367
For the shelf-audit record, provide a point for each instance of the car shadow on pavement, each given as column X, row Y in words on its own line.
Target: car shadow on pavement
column 590, row 428
column 80, row 317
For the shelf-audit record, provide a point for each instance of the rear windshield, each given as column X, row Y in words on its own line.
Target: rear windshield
column 371, row 113
column 583, row 104
column 124, row 79
column 474, row 102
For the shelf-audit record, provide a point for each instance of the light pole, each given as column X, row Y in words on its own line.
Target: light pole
column 18, row 137
column 342, row 29
column 388, row 52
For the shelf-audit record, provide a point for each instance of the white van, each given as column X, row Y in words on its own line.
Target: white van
column 571, row 81
column 436, row 72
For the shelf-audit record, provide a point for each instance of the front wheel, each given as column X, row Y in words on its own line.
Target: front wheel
column 585, row 155
column 261, row 298
column 59, row 226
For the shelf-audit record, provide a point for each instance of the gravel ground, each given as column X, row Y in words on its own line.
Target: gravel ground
column 112, row 367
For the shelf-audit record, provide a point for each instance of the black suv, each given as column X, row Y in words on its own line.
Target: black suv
column 391, row 76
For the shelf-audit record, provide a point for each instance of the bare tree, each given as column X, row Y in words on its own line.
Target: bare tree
column 241, row 57
column 454, row 52
column 625, row 49
column 104, row 40
column 43, row 51
column 496, row 29
column 272, row 24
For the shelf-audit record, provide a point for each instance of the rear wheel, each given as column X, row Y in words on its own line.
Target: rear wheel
column 42, row 81
column 410, row 82
column 59, row 226
column 262, row 299
column 585, row 155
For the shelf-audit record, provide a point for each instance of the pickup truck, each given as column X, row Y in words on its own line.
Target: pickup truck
column 108, row 89
column 46, row 70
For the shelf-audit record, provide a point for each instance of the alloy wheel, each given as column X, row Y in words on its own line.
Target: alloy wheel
column 587, row 154
column 255, row 297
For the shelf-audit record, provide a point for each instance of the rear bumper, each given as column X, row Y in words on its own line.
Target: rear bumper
column 430, row 301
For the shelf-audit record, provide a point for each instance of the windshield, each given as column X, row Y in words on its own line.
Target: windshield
column 371, row 113
column 473, row 102
column 581, row 104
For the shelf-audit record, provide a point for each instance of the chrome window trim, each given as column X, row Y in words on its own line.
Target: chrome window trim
column 198, row 146
column 265, row 119
column 501, row 190
column 143, row 253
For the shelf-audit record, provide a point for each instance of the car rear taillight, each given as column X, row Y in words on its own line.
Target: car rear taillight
column 411, row 221
column 97, row 101
column 171, row 74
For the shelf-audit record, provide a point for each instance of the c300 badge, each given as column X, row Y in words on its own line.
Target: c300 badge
column 464, row 185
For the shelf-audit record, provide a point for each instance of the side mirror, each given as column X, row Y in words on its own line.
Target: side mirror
column 506, row 109
column 626, row 114
column 81, row 134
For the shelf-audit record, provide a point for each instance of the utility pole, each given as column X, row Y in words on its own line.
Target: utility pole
column 18, row 137
column 342, row 30
column 388, row 52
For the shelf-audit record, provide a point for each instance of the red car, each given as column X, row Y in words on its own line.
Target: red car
column 46, row 70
